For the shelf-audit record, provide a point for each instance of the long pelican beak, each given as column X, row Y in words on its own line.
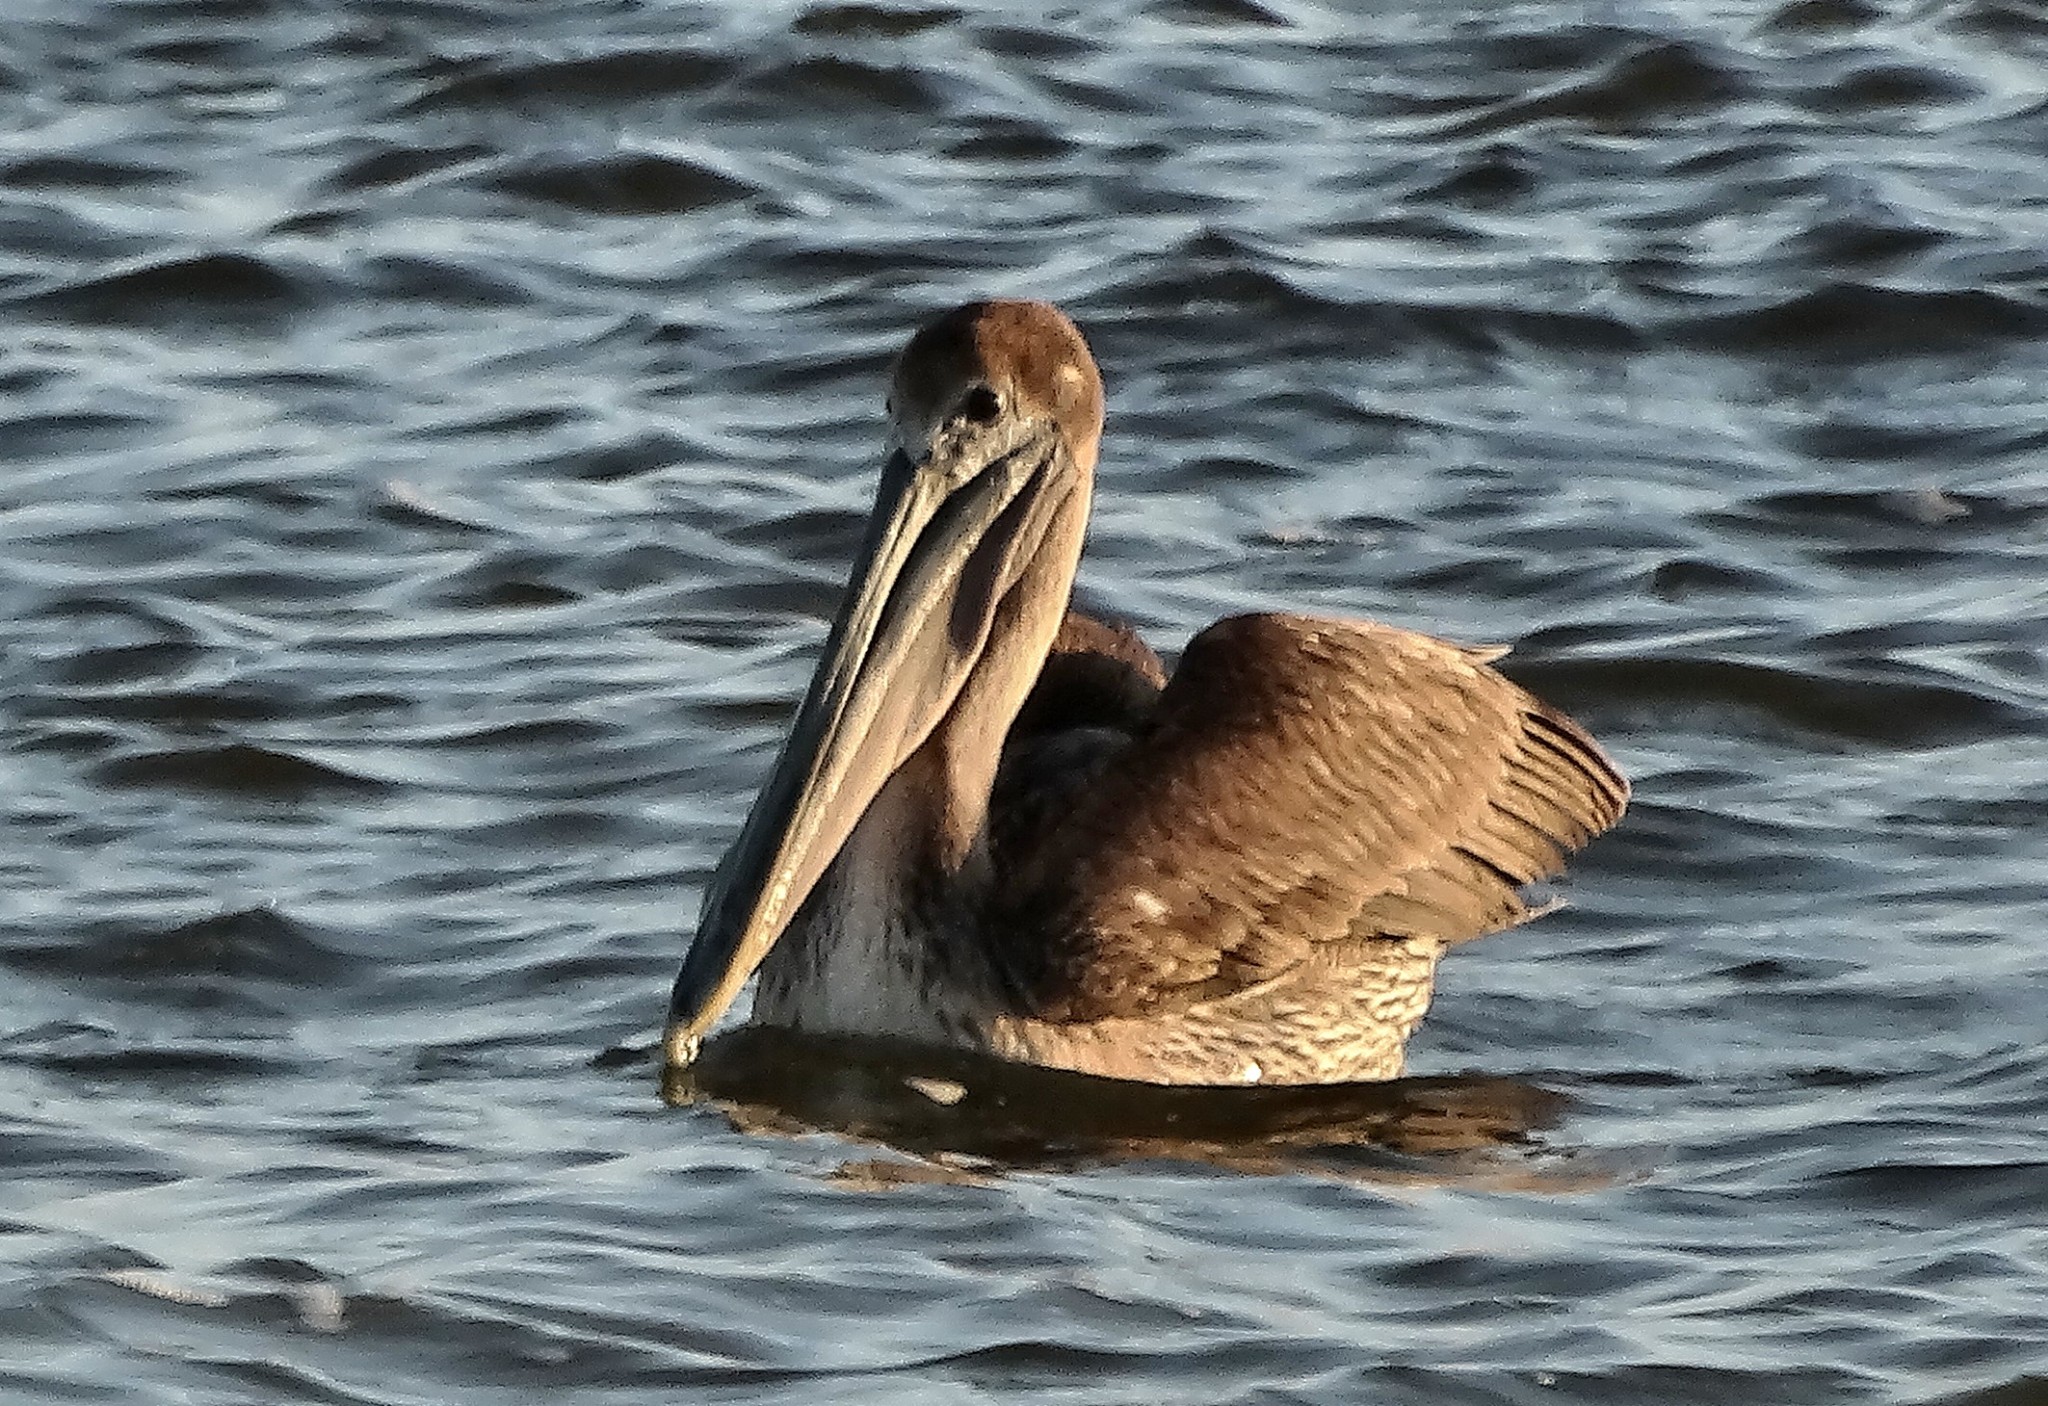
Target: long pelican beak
column 949, row 538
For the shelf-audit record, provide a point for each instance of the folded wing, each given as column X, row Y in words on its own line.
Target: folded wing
column 1300, row 787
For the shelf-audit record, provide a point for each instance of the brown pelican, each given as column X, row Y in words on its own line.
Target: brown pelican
column 997, row 825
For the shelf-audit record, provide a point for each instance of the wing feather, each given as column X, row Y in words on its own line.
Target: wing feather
column 1301, row 784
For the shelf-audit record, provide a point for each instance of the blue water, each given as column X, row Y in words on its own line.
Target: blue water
column 434, row 434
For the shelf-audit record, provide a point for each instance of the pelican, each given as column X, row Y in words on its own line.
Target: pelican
column 997, row 825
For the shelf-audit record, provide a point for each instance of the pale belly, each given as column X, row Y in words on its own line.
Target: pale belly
column 852, row 964
column 856, row 968
column 1321, row 1027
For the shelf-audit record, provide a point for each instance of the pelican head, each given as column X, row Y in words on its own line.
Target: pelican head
column 995, row 418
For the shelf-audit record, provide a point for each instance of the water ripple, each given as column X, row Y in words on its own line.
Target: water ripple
column 436, row 436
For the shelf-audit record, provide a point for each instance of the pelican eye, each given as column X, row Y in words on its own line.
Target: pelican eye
column 981, row 405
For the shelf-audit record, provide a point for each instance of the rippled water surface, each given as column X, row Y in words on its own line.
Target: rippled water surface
column 434, row 432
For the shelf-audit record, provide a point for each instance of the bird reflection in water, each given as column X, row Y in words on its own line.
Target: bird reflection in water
column 958, row 1116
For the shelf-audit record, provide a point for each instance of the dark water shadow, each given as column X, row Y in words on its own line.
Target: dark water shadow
column 966, row 1117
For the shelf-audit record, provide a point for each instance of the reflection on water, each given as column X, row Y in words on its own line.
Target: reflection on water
column 972, row 1114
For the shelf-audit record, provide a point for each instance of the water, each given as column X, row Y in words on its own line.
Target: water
column 434, row 434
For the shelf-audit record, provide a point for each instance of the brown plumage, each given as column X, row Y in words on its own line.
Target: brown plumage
column 1300, row 784
column 1029, row 841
